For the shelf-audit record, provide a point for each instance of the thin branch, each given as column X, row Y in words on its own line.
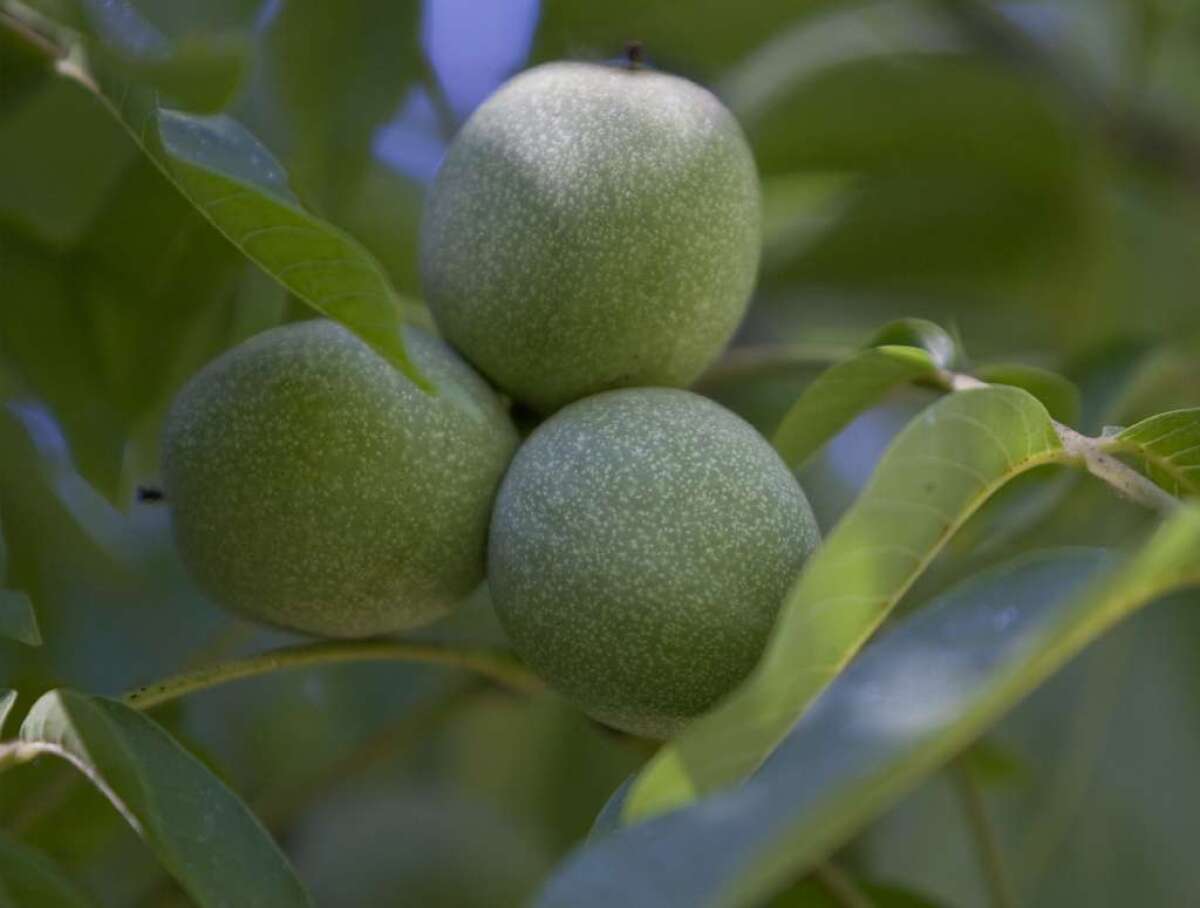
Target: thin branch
column 1128, row 482
column 840, row 886
column 497, row 665
column 999, row 888
column 279, row 808
column 751, row 361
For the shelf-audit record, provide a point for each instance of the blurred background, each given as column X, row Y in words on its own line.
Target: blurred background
column 1027, row 174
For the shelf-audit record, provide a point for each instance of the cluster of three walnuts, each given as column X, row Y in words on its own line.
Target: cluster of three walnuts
column 592, row 228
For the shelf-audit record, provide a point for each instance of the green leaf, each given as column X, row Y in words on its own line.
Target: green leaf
column 936, row 473
column 923, row 334
column 236, row 183
column 29, row 879
column 1168, row 448
column 199, row 830
column 1058, row 394
column 17, row 620
column 60, row 153
column 336, row 100
column 25, row 64
column 911, row 702
column 7, row 699
column 201, row 73
column 144, row 273
column 969, row 178
column 841, row 393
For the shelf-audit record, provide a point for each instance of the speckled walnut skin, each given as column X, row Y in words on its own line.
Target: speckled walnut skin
column 642, row 543
column 592, row 227
column 314, row 487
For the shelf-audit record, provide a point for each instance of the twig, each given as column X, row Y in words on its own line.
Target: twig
column 750, row 361
column 1125, row 479
column 495, row 664
column 279, row 809
column 999, row 888
column 841, row 886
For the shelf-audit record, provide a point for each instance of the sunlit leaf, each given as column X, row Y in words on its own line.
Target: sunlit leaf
column 906, row 706
column 199, row 830
column 236, row 183
column 1168, row 447
column 936, row 473
column 843, row 392
column 29, row 879
column 7, row 699
column 920, row 333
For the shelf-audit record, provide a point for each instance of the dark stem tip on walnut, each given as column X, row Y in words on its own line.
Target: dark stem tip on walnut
column 635, row 54
column 150, row 494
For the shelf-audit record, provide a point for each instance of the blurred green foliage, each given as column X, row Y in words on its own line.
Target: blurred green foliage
column 1025, row 172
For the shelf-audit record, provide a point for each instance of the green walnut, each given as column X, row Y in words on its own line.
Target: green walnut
column 642, row 543
column 313, row 486
column 592, row 227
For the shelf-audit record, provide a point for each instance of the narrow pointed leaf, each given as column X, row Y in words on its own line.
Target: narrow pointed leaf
column 920, row 333
column 1167, row 447
column 199, row 830
column 936, row 473
column 927, row 688
column 237, row 184
column 841, row 393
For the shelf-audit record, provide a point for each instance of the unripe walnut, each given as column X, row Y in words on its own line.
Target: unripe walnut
column 642, row 543
column 313, row 486
column 592, row 227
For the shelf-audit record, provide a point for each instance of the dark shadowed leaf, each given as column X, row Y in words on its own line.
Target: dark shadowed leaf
column 199, row 830
column 968, row 176
column 60, row 153
column 335, row 100
column 17, row 619
column 24, row 67
column 29, row 879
